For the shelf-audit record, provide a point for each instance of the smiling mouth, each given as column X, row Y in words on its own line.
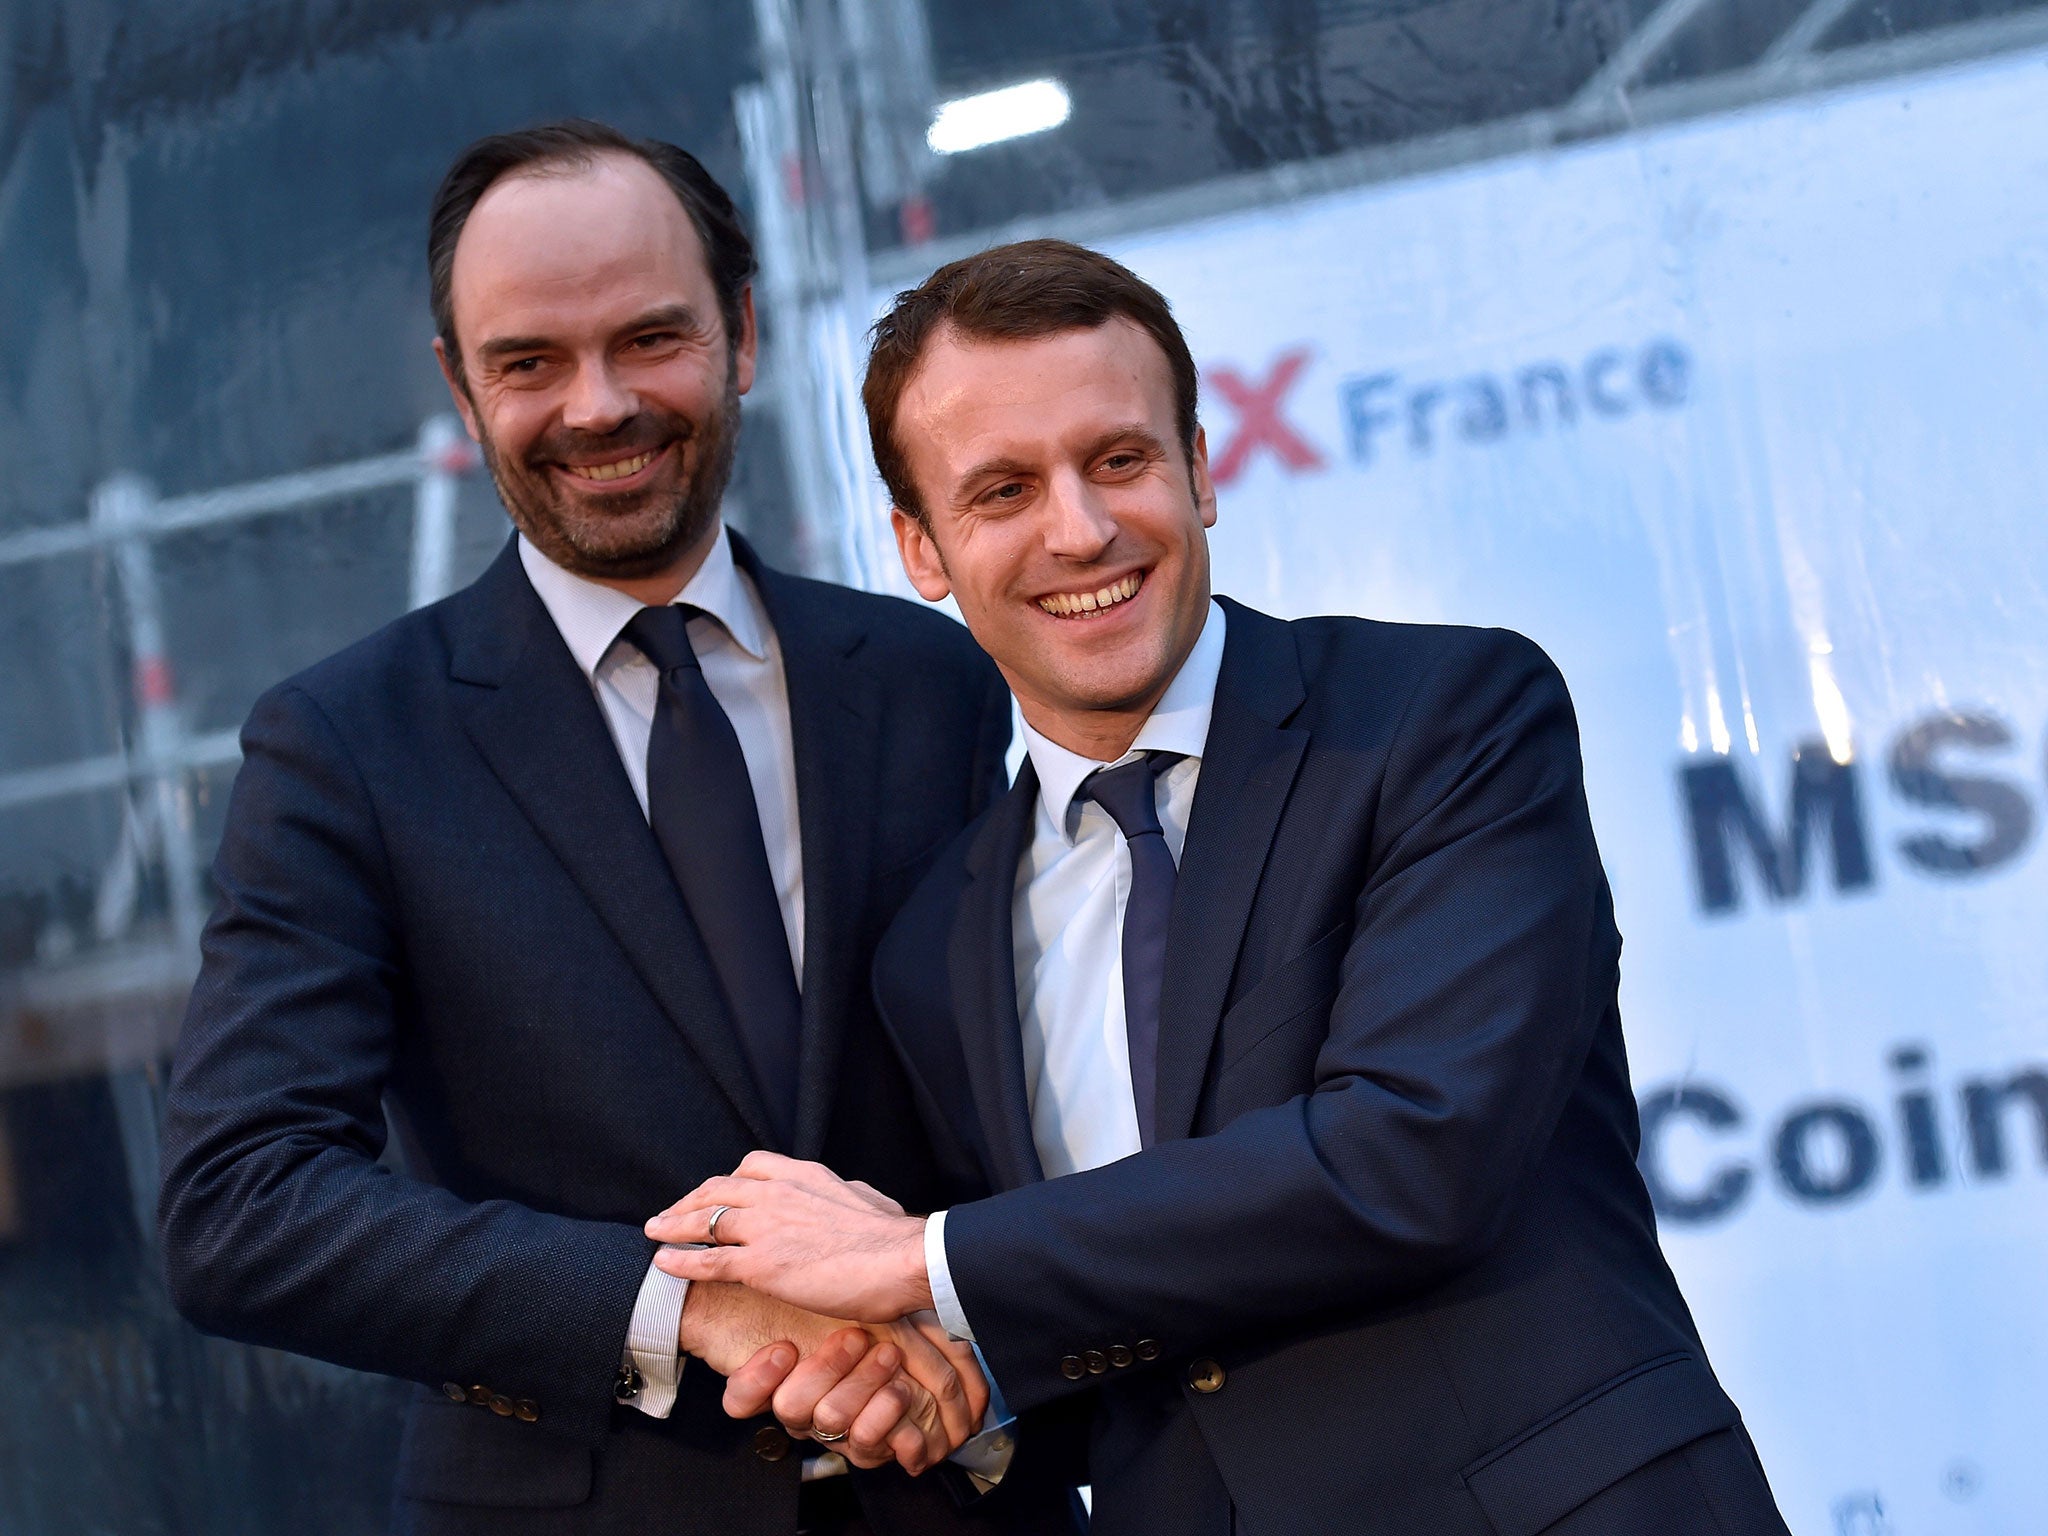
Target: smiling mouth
column 618, row 469
column 1079, row 605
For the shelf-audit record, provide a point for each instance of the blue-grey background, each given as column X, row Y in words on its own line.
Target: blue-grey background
column 211, row 228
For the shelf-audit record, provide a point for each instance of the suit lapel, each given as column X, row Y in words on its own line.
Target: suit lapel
column 833, row 716
column 532, row 715
column 1248, row 768
column 981, row 959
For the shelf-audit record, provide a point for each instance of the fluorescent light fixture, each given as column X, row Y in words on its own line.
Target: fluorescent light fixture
column 993, row 116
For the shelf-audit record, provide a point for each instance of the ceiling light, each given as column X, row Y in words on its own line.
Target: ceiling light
column 970, row 122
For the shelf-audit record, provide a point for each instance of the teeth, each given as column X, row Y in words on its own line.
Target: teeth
column 615, row 471
column 1067, row 604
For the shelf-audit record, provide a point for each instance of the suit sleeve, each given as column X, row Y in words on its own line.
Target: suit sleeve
column 1483, row 955
column 279, row 1225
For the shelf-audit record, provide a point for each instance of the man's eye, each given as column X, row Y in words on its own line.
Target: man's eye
column 523, row 365
column 1008, row 492
column 654, row 339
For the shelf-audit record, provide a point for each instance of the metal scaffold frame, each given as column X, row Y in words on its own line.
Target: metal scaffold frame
column 155, row 767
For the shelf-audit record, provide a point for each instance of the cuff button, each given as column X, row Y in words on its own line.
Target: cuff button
column 771, row 1444
column 1096, row 1361
column 1148, row 1349
column 452, row 1390
column 481, row 1396
column 1121, row 1356
column 526, row 1410
column 1072, row 1368
column 501, row 1405
column 627, row 1386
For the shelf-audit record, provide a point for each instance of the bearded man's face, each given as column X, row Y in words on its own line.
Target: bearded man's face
column 596, row 371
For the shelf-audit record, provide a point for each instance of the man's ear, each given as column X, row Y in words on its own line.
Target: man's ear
column 746, row 345
column 922, row 562
column 455, row 388
column 1198, row 478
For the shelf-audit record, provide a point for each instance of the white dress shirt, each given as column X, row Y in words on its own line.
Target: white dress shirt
column 742, row 661
column 1067, row 924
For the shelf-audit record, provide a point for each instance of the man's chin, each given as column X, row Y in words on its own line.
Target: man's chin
column 619, row 543
column 1110, row 694
column 627, row 560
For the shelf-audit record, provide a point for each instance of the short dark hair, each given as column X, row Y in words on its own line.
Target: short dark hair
column 576, row 142
column 1014, row 292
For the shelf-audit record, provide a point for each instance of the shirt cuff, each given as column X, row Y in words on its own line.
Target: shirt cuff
column 986, row 1457
column 945, row 1300
column 652, row 1345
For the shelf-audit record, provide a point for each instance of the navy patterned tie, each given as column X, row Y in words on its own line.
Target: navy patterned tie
column 1130, row 796
column 701, row 804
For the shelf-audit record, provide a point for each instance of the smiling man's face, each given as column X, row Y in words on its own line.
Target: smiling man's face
column 1064, row 516
column 596, row 372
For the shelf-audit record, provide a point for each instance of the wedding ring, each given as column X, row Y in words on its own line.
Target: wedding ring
column 825, row 1439
column 711, row 1232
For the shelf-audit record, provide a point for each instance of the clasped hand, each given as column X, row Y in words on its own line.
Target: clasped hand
column 815, row 1306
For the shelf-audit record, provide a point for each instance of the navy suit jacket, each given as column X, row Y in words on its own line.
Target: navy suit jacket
column 1390, row 1266
column 439, row 895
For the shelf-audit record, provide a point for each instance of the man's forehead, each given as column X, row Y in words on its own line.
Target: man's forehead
column 976, row 390
column 575, row 231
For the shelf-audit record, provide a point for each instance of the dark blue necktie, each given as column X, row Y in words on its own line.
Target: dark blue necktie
column 701, row 804
column 1128, row 793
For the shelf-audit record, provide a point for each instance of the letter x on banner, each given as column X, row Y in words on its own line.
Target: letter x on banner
column 1259, row 422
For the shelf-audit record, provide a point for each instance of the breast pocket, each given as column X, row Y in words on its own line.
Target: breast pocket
column 1301, row 985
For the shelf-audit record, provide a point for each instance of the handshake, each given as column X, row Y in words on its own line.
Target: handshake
column 811, row 1298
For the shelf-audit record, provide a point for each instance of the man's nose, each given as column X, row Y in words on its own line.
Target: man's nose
column 1080, row 526
column 596, row 401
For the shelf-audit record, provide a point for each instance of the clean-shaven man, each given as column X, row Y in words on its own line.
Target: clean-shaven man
column 580, row 873
column 1267, row 1025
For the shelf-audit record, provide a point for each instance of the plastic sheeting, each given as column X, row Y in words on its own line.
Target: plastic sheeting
column 1740, row 419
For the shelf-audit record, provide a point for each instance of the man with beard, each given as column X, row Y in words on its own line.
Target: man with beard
column 578, row 874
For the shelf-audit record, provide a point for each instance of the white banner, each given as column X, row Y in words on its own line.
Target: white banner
column 1743, row 420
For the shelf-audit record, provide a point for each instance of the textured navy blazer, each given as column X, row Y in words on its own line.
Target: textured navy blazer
column 439, row 895
column 1391, row 1267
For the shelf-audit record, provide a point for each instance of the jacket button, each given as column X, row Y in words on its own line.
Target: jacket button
column 771, row 1444
column 1072, row 1368
column 1205, row 1376
column 1096, row 1361
column 1121, row 1356
column 481, row 1396
column 452, row 1390
column 526, row 1410
column 1148, row 1349
column 501, row 1405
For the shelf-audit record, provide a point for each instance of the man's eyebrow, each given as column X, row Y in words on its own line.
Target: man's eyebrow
column 505, row 346
column 672, row 317
column 994, row 469
column 1129, row 432
column 679, row 317
column 1003, row 466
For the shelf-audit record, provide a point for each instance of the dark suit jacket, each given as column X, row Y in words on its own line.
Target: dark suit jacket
column 438, row 894
column 1391, row 1267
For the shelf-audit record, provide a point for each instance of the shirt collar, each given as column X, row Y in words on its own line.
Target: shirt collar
column 590, row 614
column 1179, row 722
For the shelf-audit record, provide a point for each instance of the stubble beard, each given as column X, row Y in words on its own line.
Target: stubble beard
column 622, row 537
